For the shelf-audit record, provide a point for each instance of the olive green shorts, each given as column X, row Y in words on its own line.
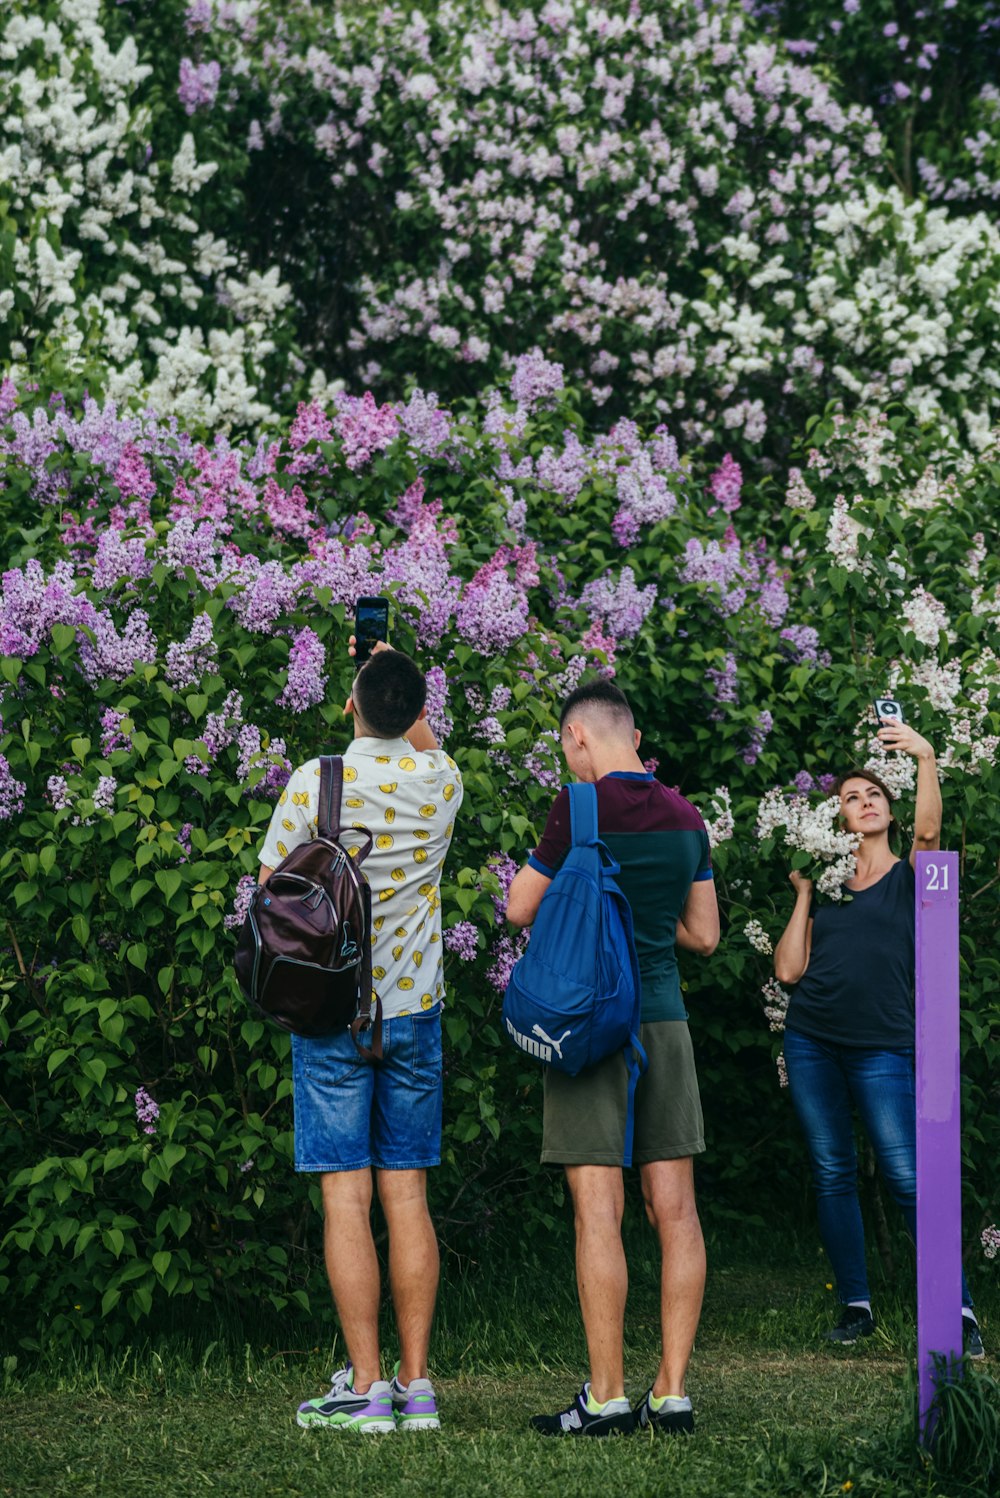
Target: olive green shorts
column 584, row 1116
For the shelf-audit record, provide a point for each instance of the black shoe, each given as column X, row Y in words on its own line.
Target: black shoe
column 855, row 1322
column 578, row 1421
column 671, row 1422
column 972, row 1339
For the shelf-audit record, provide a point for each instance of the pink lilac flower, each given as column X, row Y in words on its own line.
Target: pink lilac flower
column 199, row 84
column 726, row 483
column 463, row 940
column 188, row 660
column 31, row 603
column 8, row 397
column 305, row 686
column 427, row 426
column 345, row 570
column 132, row 475
column 311, row 424
column 12, row 792
column 364, row 427
column 118, row 560
column 146, row 1111
column 288, row 510
column 723, row 685
column 241, row 902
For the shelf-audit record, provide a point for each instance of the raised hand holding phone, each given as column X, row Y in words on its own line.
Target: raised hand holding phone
column 371, row 625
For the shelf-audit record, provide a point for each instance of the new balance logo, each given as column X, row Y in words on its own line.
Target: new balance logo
column 555, row 1044
column 542, row 1048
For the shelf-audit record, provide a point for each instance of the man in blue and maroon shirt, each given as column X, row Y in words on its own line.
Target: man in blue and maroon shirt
column 666, row 875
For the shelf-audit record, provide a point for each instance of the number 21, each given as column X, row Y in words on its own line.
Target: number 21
column 937, row 878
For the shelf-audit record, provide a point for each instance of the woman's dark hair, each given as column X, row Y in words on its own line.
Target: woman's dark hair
column 389, row 693
column 872, row 779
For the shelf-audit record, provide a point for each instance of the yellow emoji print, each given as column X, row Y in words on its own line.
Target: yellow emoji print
column 397, row 952
column 350, row 774
column 450, row 762
column 282, row 850
column 405, row 983
column 426, row 1002
column 406, row 763
column 386, row 894
column 378, row 972
column 353, row 852
column 384, row 841
column 449, row 829
column 398, row 875
column 390, row 815
column 379, row 922
column 428, row 810
column 448, row 791
column 300, row 798
column 426, row 890
column 421, row 833
column 289, row 825
column 282, row 798
column 418, row 958
column 388, row 789
column 354, row 802
column 382, row 759
column 401, row 931
column 420, row 855
column 434, row 938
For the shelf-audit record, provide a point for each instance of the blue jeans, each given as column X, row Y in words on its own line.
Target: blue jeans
column 351, row 1116
column 827, row 1082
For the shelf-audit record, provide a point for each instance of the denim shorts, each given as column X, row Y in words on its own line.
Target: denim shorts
column 349, row 1116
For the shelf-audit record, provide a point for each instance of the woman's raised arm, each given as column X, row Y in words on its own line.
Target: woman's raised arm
column 791, row 955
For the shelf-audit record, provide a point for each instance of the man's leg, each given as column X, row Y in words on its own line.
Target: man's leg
column 414, row 1265
column 668, row 1191
column 352, row 1268
column 601, row 1272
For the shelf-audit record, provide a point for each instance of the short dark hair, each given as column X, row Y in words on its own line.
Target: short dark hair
column 389, row 693
column 603, row 694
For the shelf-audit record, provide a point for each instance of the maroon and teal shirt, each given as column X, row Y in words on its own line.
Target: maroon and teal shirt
column 661, row 843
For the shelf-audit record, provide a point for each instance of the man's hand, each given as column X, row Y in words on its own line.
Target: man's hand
column 352, row 650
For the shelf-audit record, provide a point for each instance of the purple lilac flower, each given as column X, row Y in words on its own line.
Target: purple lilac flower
column 247, row 1166
column 198, row 16
column 104, row 795
column 188, row 660
column 12, row 792
column 801, row 643
column 758, row 737
column 492, row 613
column 113, row 656
column 826, row 783
column 535, row 379
column 463, row 940
column 31, row 603
column 565, row 472
column 620, row 606
column 146, row 1111
column 726, row 483
column 504, row 867
column 111, row 736
column 305, row 686
column 438, row 718
column 199, row 84
column 311, row 424
column 8, row 397
column 132, row 475
column 505, row 952
column 184, row 838
column 192, row 543
column 118, row 560
column 267, row 591
column 241, row 902
column 723, row 685
column 428, row 428
column 59, row 792
column 803, row 782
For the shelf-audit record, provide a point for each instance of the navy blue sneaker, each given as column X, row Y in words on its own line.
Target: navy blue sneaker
column 616, row 1418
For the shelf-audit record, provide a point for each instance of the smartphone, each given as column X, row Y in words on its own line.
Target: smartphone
column 371, row 624
column 889, row 709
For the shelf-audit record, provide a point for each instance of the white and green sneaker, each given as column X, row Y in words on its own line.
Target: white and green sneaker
column 344, row 1409
column 414, row 1404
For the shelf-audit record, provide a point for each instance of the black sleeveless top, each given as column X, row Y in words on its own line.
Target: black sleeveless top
column 858, row 987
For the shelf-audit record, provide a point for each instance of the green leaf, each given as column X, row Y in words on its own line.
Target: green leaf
column 137, row 954
column 140, row 890
column 57, row 1058
column 169, row 881
column 121, row 869
column 161, row 1261
column 81, row 748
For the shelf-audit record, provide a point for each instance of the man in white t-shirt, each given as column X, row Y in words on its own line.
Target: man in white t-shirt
column 350, row 1118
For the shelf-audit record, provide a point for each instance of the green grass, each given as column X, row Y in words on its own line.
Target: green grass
column 778, row 1413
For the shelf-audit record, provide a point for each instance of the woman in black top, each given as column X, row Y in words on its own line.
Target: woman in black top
column 849, row 1030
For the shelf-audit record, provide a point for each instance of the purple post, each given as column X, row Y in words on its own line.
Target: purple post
column 939, row 1150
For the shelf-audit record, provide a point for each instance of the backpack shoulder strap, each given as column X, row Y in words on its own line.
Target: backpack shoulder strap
column 331, row 786
column 582, row 815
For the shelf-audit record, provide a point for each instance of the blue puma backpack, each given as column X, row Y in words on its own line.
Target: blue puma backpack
column 574, row 997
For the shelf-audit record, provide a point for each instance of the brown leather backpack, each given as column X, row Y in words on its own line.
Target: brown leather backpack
column 304, row 956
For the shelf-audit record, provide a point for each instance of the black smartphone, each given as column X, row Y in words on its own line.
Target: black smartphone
column 887, row 708
column 371, row 624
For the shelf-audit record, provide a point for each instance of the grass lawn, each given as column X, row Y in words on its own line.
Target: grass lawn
column 778, row 1413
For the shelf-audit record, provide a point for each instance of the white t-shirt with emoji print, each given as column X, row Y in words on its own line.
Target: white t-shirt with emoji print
column 408, row 799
